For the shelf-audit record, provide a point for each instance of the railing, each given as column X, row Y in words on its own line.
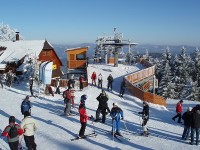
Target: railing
column 139, row 76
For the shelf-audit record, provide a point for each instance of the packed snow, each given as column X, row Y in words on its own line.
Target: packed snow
column 55, row 130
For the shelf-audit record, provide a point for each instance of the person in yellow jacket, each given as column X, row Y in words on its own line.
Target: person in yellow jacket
column 29, row 126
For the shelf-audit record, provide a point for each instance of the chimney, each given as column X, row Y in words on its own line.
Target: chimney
column 17, row 36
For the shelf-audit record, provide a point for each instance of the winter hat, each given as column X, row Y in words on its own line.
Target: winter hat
column 12, row 119
column 189, row 109
column 181, row 101
column 115, row 104
column 27, row 97
column 145, row 102
column 26, row 113
column 84, row 97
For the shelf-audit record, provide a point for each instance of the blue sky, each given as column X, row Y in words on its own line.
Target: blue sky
column 166, row 22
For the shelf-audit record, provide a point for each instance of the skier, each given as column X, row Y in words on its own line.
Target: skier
column 110, row 81
column 195, row 126
column 25, row 105
column 31, row 85
column 94, row 77
column 83, row 116
column 9, row 78
column 122, row 88
column 81, row 79
column 178, row 111
column 29, row 126
column 187, row 123
column 71, row 82
column 100, row 80
column 12, row 132
column 72, row 91
column 1, row 82
column 116, row 114
column 50, row 89
column 57, row 86
column 145, row 117
column 103, row 106
column 67, row 101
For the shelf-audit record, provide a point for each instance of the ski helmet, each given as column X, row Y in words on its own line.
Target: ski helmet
column 84, row 97
column 12, row 119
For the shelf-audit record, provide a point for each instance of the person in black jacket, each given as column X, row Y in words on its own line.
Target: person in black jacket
column 187, row 123
column 122, row 88
column 195, row 126
column 110, row 81
column 103, row 106
column 145, row 117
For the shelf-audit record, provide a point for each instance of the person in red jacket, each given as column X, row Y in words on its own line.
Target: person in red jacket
column 94, row 77
column 83, row 116
column 178, row 111
column 12, row 132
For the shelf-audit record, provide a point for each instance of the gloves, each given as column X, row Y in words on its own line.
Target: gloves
column 122, row 118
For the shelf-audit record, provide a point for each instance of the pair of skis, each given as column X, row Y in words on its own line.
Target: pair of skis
column 85, row 136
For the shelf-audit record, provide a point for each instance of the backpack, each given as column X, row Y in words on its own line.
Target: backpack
column 13, row 131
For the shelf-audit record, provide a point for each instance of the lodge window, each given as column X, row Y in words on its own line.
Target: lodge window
column 80, row 57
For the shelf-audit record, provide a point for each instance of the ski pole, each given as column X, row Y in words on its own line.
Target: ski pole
column 93, row 126
column 126, row 127
column 113, row 130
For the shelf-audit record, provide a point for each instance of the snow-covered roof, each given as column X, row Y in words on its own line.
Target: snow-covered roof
column 18, row 49
column 70, row 49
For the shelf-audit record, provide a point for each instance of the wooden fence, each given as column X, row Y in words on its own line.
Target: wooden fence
column 139, row 76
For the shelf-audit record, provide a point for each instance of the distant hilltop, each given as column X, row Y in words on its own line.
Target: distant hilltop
column 152, row 49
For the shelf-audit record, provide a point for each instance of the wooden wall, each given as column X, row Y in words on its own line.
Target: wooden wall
column 138, row 76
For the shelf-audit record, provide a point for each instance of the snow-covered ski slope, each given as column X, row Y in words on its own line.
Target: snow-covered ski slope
column 55, row 130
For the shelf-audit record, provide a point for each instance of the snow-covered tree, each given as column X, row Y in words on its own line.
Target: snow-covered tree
column 8, row 34
column 196, row 67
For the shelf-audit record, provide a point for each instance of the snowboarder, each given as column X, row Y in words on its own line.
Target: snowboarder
column 117, row 115
column 26, row 105
column 94, row 77
column 81, row 79
column 122, row 88
column 103, row 107
column 195, row 126
column 100, row 80
column 178, row 111
column 110, row 81
column 145, row 117
column 187, row 123
column 29, row 126
column 31, row 85
column 12, row 132
column 83, row 116
column 67, row 101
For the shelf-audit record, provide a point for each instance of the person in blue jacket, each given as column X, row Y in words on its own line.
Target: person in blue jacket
column 26, row 105
column 117, row 115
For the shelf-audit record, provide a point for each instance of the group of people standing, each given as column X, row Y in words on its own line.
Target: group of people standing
column 116, row 114
column 191, row 120
column 27, row 128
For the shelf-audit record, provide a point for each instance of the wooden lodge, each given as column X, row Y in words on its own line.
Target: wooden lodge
column 77, row 63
